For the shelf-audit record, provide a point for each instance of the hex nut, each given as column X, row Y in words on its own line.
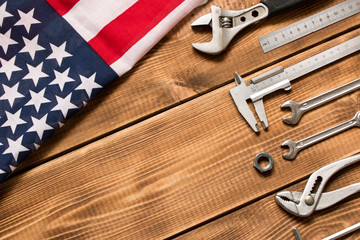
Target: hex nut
column 268, row 157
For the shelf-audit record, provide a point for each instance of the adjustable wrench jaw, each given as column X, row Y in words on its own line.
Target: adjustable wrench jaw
column 226, row 24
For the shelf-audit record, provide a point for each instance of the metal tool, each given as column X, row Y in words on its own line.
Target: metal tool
column 344, row 232
column 309, row 25
column 296, row 147
column 227, row 23
column 297, row 234
column 299, row 108
column 337, row 235
column 280, row 78
column 266, row 156
column 303, row 204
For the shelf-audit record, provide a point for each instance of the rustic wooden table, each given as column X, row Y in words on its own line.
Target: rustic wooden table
column 163, row 153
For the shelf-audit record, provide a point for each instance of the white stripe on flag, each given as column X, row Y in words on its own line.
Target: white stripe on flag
column 88, row 17
column 139, row 49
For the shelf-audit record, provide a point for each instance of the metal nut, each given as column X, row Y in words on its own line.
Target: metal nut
column 268, row 157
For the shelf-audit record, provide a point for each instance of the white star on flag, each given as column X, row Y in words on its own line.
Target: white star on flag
column 5, row 40
column 36, row 146
column 15, row 147
column 2, row 171
column 37, row 99
column 8, row 67
column 31, row 46
column 11, row 93
column 61, row 124
column 4, row 13
column 35, row 73
column 26, row 19
column 12, row 168
column 64, row 105
column 13, row 120
column 58, row 53
column 88, row 84
column 61, row 79
column 39, row 126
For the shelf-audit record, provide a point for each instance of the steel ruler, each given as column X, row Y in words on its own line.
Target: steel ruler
column 309, row 25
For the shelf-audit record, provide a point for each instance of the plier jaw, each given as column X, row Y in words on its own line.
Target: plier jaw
column 226, row 24
column 288, row 201
column 295, row 203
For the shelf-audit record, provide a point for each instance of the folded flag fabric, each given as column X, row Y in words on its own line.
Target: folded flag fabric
column 56, row 55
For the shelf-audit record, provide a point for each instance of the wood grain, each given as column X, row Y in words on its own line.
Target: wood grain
column 173, row 72
column 179, row 168
column 264, row 219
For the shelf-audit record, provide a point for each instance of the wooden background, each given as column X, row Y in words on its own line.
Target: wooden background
column 162, row 152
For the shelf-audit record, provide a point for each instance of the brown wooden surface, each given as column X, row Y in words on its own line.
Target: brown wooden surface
column 163, row 152
column 264, row 219
column 173, row 72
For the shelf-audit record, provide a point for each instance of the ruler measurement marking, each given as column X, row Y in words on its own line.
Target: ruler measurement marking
column 313, row 63
column 309, row 25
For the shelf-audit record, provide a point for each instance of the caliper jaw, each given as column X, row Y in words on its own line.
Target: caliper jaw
column 240, row 95
column 260, row 86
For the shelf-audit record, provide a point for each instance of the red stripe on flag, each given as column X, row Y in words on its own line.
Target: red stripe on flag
column 124, row 31
column 62, row 6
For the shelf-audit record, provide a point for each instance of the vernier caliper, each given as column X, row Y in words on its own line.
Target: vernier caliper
column 280, row 78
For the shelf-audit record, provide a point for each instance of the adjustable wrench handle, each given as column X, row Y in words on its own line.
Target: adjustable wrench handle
column 276, row 6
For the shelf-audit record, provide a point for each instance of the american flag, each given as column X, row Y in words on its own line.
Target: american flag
column 56, row 55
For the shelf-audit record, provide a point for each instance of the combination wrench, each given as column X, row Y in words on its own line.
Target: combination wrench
column 296, row 147
column 299, row 108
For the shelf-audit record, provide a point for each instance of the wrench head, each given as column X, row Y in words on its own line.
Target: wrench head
column 221, row 37
column 216, row 45
column 293, row 149
column 296, row 112
column 225, row 26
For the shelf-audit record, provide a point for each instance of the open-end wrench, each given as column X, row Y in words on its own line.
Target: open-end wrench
column 295, row 147
column 299, row 108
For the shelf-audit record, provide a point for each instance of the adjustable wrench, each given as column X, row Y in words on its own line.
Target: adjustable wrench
column 295, row 147
column 299, row 108
column 226, row 24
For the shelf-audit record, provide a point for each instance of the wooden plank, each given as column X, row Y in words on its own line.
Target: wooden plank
column 179, row 168
column 264, row 219
column 173, row 72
